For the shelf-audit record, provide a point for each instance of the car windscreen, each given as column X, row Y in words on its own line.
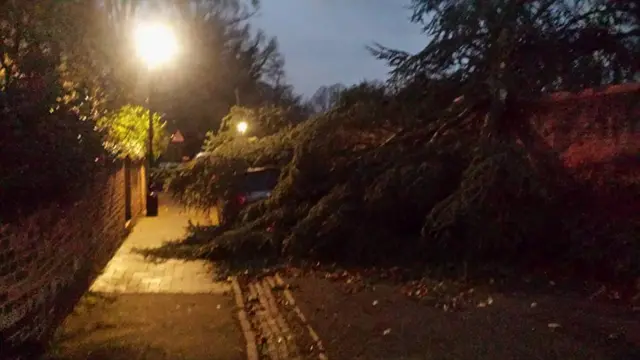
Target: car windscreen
column 263, row 180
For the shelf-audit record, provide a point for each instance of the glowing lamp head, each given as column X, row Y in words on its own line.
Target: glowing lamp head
column 242, row 127
column 156, row 44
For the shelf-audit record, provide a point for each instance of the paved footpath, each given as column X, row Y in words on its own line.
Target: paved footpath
column 138, row 309
column 129, row 272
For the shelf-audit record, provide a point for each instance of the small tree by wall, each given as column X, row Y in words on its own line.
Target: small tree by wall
column 126, row 132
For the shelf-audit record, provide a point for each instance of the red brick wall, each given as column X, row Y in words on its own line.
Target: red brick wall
column 597, row 135
column 595, row 125
column 47, row 255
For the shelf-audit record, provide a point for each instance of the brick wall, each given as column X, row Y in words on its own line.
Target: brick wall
column 50, row 257
column 592, row 126
column 597, row 135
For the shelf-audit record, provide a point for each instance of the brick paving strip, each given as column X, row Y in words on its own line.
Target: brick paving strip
column 264, row 305
column 249, row 334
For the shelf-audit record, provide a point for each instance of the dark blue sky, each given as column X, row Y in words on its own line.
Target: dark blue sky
column 324, row 41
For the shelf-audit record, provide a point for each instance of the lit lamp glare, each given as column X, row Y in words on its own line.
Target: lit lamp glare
column 242, row 127
column 156, row 44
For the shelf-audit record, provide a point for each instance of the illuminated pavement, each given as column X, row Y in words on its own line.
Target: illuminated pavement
column 129, row 272
column 138, row 309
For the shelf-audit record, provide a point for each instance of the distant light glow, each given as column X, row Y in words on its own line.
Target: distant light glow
column 242, row 127
column 156, row 44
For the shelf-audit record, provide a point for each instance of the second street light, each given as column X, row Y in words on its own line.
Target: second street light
column 242, row 127
column 156, row 45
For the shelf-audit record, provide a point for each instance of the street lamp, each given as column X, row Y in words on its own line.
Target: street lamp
column 156, row 45
column 242, row 127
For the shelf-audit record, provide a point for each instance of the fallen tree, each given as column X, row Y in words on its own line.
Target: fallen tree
column 359, row 188
column 399, row 177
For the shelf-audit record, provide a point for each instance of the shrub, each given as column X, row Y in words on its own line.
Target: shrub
column 50, row 153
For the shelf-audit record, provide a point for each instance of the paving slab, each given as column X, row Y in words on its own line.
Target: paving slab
column 131, row 273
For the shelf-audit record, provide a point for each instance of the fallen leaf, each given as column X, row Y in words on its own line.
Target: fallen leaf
column 386, row 332
column 534, row 304
column 598, row 293
column 489, row 300
column 553, row 325
column 374, row 303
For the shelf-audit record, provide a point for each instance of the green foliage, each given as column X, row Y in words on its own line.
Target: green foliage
column 50, row 150
column 502, row 206
column 202, row 183
column 160, row 175
column 326, row 97
column 269, row 150
column 127, row 132
column 377, row 192
column 262, row 121
column 269, row 139
column 522, row 47
column 231, row 63
column 401, row 175
column 209, row 180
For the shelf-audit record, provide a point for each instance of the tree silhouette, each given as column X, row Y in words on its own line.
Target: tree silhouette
column 326, row 97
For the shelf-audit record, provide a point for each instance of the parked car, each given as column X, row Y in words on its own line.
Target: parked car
column 256, row 184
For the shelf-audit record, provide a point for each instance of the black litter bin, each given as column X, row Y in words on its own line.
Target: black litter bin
column 152, row 203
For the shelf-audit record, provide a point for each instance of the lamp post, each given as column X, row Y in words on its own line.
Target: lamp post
column 156, row 45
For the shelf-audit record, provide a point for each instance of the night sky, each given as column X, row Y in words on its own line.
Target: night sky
column 324, row 41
